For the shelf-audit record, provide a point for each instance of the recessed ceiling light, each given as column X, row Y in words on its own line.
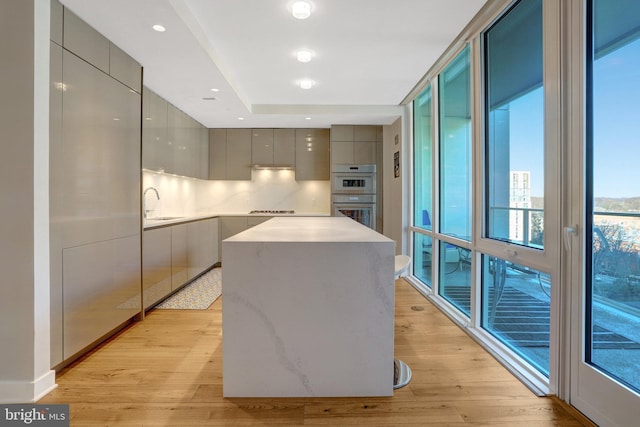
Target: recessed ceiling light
column 303, row 55
column 301, row 10
column 215, row 90
column 240, row 118
column 307, row 118
column 159, row 28
column 307, row 84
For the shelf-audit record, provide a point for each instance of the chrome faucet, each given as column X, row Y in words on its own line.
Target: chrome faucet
column 144, row 200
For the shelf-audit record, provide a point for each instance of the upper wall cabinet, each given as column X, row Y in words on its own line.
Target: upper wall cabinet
column 273, row 147
column 124, row 68
column 354, row 144
column 172, row 142
column 82, row 40
column 156, row 152
column 57, row 11
column 312, row 154
column 86, row 42
column 230, row 154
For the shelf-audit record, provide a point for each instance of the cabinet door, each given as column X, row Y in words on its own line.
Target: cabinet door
column 342, row 133
column 101, row 290
column 312, row 154
column 202, row 246
column 229, row 226
column 156, row 265
column 124, row 68
column 365, row 144
column 366, row 133
column 262, row 146
column 203, row 155
column 364, row 152
column 284, row 147
column 156, row 152
column 179, row 256
column 56, row 212
column 85, row 42
column 101, row 170
column 177, row 135
column 342, row 152
column 217, row 154
column 238, row 154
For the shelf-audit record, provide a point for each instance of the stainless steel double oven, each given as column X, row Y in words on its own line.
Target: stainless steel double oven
column 353, row 193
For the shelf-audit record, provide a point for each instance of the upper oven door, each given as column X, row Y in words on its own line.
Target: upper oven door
column 353, row 183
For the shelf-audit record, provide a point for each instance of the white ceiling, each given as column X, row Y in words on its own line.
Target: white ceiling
column 368, row 55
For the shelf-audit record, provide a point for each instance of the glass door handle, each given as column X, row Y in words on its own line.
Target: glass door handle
column 568, row 233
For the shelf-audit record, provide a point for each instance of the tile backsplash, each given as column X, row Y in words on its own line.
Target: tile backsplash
column 268, row 189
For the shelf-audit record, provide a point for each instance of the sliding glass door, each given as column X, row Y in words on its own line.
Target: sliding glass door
column 606, row 365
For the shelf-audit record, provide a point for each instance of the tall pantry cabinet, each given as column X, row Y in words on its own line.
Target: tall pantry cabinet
column 94, row 186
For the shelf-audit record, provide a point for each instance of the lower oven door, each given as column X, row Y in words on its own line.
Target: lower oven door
column 365, row 214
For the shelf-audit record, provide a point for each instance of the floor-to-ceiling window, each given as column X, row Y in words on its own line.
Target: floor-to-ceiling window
column 423, row 191
column 516, row 298
column 454, row 179
column 463, row 250
column 543, row 264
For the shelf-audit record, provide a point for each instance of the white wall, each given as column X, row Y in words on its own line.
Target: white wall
column 24, row 229
column 268, row 189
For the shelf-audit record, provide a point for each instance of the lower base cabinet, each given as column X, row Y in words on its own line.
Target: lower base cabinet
column 202, row 241
column 101, row 289
column 174, row 255
column 156, row 265
column 232, row 225
column 179, row 256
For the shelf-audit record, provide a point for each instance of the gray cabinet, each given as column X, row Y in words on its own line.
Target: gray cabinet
column 101, row 161
column 101, row 289
column 172, row 141
column 284, row 147
column 262, row 146
column 312, row 154
column 156, row 151
column 238, row 154
column 230, row 154
column 94, row 192
column 124, row 68
column 156, row 265
column 273, row 147
column 57, row 12
column 85, row 42
column 217, row 154
column 354, row 144
column 232, row 225
column 55, row 199
column 202, row 245
column 179, row 256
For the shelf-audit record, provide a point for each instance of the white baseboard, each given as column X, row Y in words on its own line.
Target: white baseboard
column 27, row 391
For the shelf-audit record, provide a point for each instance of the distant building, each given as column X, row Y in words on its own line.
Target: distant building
column 519, row 197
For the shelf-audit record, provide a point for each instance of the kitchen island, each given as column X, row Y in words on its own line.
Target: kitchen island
column 308, row 310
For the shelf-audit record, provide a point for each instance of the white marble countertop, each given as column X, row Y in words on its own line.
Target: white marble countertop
column 163, row 221
column 309, row 229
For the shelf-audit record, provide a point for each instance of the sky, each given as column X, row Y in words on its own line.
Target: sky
column 616, row 127
column 617, row 123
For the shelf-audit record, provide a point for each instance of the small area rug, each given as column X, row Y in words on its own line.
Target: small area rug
column 198, row 295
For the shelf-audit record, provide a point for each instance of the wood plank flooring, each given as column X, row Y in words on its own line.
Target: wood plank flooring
column 166, row 371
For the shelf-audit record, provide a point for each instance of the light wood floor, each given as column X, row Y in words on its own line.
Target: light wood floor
column 166, row 371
